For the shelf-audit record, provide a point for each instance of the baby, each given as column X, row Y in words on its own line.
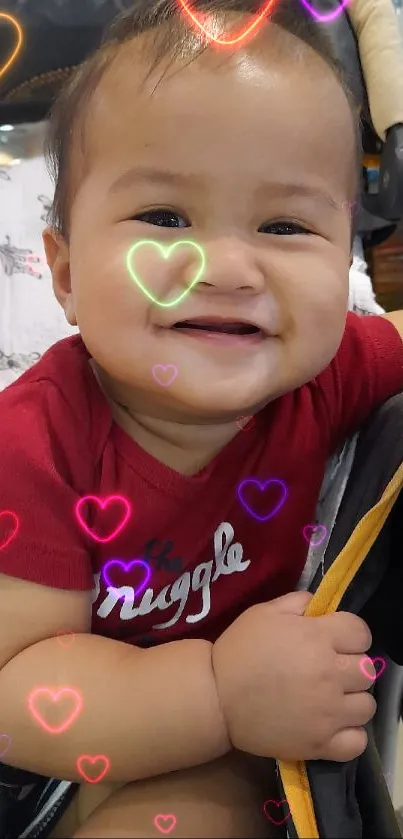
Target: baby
column 157, row 473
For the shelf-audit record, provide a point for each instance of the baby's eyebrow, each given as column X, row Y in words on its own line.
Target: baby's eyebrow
column 301, row 190
column 154, row 175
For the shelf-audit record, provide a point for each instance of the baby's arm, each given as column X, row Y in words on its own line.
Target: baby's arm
column 147, row 711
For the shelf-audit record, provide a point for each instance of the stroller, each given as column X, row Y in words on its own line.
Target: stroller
column 359, row 569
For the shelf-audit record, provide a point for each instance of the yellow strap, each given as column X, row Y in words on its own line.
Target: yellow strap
column 324, row 602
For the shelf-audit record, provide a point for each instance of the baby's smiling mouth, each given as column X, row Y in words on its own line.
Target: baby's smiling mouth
column 220, row 329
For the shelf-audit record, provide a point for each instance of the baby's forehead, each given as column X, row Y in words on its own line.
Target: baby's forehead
column 138, row 77
column 143, row 102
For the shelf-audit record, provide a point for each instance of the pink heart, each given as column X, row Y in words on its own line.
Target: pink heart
column 5, row 743
column 159, row 371
column 55, row 696
column 312, row 531
column 165, row 823
column 103, row 504
column 329, row 16
column 11, row 527
column 126, row 566
column 276, row 804
column 92, row 760
column 364, row 665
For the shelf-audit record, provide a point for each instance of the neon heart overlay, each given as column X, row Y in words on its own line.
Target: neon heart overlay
column 5, row 743
column 65, row 637
column 126, row 567
column 18, row 46
column 164, row 368
column 16, row 524
column 165, row 253
column 276, row 804
column 93, row 759
column 55, row 696
column 325, row 18
column 262, row 486
column 103, row 504
column 254, row 27
column 250, row 29
column 364, row 664
column 311, row 531
column 165, row 818
column 246, row 426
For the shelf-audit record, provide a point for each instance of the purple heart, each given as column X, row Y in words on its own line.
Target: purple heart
column 328, row 16
column 126, row 566
column 262, row 486
column 5, row 743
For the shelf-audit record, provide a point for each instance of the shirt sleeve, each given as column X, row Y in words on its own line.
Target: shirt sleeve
column 42, row 464
column 366, row 371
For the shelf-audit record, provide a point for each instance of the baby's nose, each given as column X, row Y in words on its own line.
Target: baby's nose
column 231, row 266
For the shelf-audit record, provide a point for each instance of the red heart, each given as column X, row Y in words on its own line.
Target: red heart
column 91, row 760
column 10, row 527
column 249, row 29
column 276, row 804
column 114, row 529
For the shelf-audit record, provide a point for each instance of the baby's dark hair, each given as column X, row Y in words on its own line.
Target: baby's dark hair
column 172, row 34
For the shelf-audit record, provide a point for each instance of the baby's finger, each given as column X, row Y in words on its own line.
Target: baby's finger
column 358, row 709
column 348, row 633
column 358, row 672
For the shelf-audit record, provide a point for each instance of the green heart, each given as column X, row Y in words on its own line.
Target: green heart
column 166, row 253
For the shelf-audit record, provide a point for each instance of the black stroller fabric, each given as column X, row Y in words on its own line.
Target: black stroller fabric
column 362, row 574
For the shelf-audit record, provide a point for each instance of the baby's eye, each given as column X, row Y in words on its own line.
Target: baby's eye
column 162, row 218
column 283, row 228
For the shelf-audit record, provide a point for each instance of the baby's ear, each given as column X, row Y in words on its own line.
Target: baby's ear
column 58, row 259
column 52, row 244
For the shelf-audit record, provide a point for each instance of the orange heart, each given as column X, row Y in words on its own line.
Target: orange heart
column 14, row 54
column 249, row 29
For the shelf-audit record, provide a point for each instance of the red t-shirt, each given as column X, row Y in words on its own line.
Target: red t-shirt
column 207, row 546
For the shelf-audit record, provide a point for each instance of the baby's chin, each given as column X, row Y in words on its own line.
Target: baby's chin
column 205, row 405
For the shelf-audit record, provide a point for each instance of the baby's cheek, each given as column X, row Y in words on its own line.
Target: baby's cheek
column 319, row 326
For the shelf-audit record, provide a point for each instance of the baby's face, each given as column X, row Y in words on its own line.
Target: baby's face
column 251, row 163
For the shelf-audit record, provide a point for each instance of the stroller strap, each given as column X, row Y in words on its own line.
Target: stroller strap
column 326, row 600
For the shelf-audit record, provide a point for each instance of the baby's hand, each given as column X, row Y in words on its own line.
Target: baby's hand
column 291, row 687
